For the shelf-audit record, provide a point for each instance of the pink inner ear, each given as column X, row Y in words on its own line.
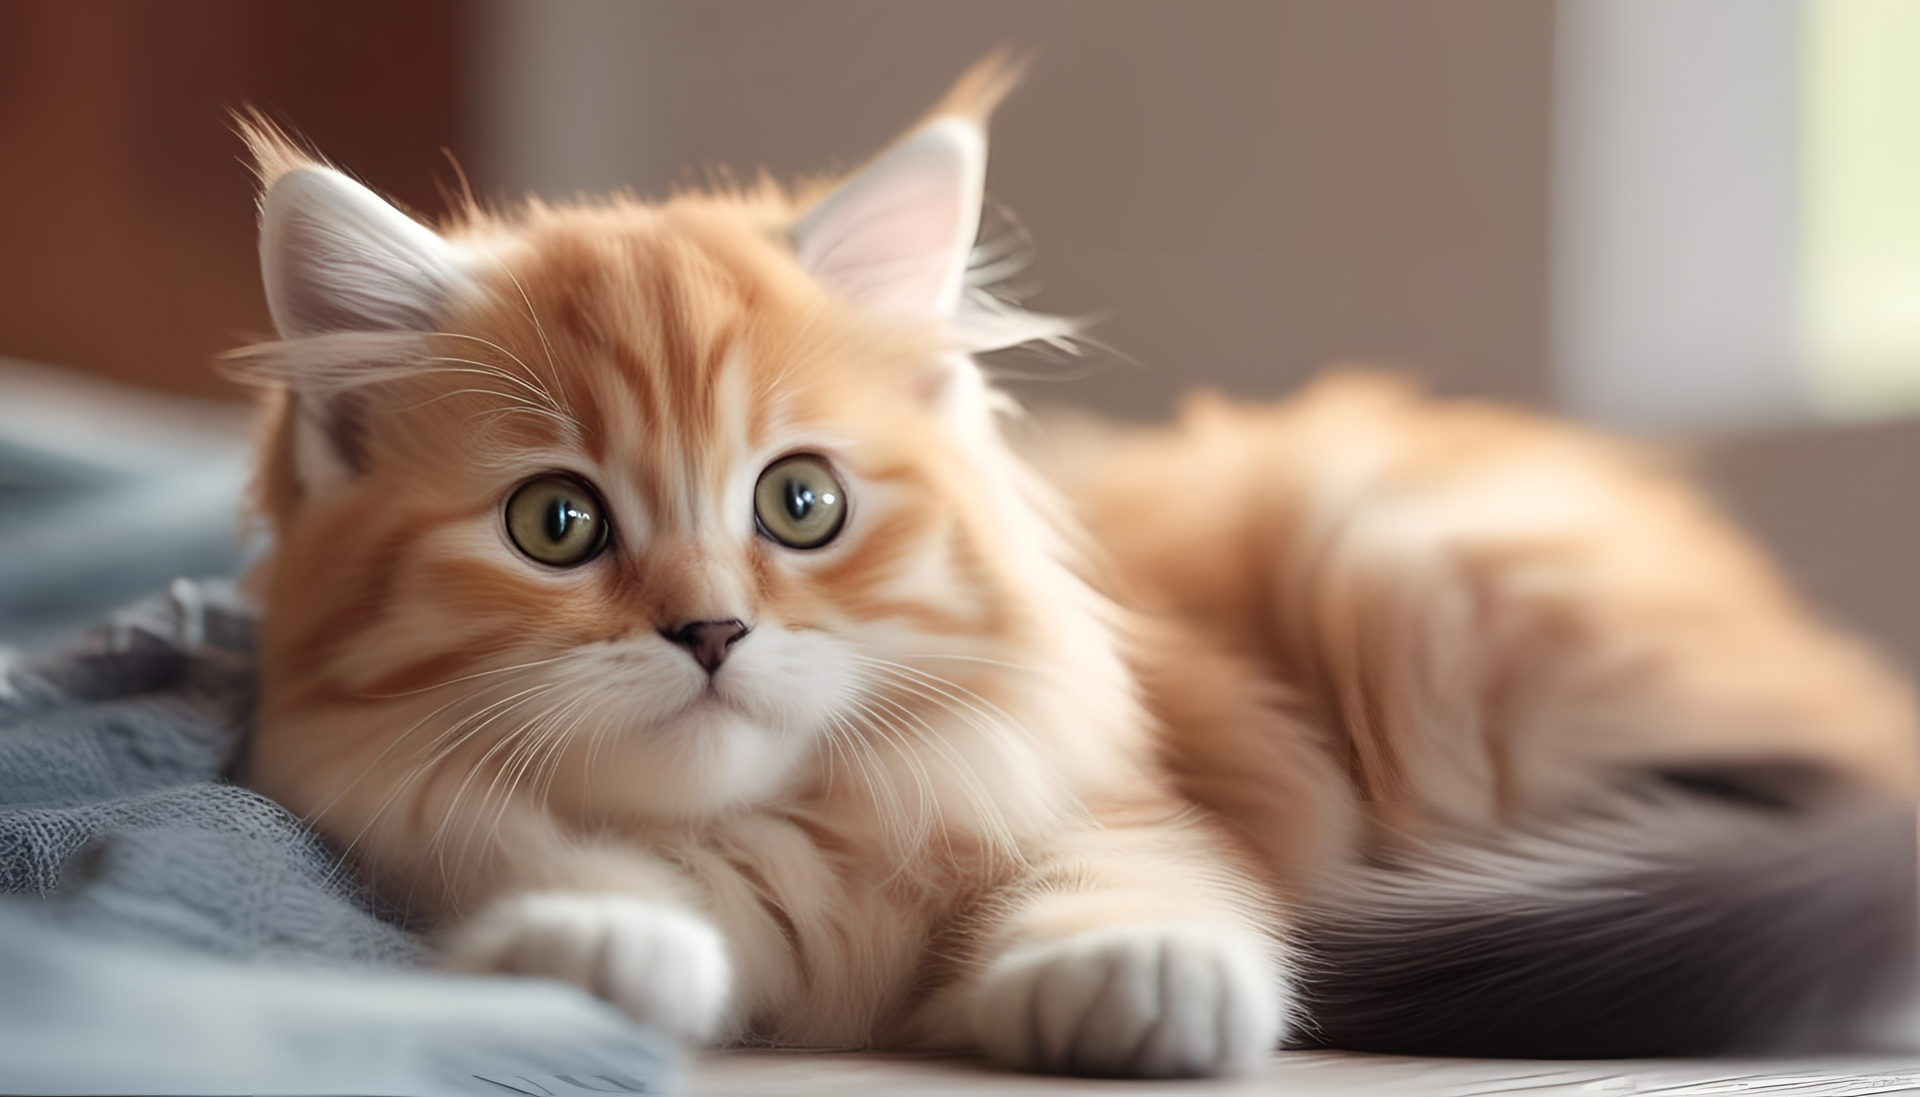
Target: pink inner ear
column 898, row 257
column 896, row 236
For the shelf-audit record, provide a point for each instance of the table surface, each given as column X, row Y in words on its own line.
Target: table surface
column 1307, row 1074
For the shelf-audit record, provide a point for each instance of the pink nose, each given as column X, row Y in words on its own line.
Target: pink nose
column 707, row 641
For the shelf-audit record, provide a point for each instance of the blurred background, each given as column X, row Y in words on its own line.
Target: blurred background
column 1691, row 219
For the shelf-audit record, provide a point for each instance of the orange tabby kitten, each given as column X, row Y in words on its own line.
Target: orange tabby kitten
column 657, row 605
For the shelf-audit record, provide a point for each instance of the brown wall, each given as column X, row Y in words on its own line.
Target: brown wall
column 126, row 216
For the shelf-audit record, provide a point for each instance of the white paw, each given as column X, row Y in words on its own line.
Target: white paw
column 666, row 967
column 1172, row 1000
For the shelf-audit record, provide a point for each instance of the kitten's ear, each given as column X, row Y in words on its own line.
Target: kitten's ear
column 336, row 257
column 896, row 236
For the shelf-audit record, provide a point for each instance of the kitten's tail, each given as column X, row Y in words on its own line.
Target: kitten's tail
column 1696, row 913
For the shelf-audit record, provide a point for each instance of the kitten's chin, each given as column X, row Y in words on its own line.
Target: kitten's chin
column 708, row 759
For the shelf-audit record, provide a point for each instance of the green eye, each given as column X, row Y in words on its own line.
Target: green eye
column 557, row 520
column 799, row 503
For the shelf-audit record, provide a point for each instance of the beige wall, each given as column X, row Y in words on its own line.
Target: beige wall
column 1840, row 507
column 1243, row 190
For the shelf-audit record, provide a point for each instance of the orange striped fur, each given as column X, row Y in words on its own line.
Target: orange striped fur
column 967, row 730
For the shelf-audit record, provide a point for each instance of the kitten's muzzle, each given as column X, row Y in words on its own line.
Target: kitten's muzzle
column 708, row 641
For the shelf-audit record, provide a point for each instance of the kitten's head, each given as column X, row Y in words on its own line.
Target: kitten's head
column 659, row 510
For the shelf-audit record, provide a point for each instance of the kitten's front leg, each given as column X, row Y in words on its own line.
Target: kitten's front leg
column 513, row 891
column 1167, row 1000
column 1147, row 964
column 629, row 937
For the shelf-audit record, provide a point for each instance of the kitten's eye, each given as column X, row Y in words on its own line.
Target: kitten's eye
column 557, row 520
column 799, row 503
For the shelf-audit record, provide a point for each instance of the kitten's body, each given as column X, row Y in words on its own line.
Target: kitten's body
column 954, row 779
column 1617, row 792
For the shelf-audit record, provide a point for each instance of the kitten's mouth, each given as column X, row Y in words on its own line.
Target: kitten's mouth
column 714, row 697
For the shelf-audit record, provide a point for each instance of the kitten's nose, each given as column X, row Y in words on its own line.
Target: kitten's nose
column 707, row 641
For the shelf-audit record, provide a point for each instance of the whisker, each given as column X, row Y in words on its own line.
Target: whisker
column 598, row 739
column 561, row 733
column 926, row 802
column 457, row 681
column 403, row 736
column 445, row 742
column 980, row 659
column 934, row 739
column 884, row 796
column 979, row 797
column 556, row 403
column 995, row 719
column 1000, row 729
column 539, row 329
column 538, row 390
column 510, row 742
column 536, row 743
column 515, row 405
column 450, row 740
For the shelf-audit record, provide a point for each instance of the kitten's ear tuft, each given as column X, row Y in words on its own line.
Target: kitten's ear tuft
column 896, row 236
column 273, row 152
column 980, row 88
column 336, row 257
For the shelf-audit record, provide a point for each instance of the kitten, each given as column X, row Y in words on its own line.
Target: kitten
column 657, row 604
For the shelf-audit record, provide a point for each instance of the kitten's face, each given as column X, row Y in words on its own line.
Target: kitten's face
column 657, row 526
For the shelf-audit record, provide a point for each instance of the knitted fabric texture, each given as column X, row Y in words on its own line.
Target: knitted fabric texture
column 166, row 931
column 114, row 807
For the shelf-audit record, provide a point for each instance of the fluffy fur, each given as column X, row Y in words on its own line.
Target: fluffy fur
column 1132, row 786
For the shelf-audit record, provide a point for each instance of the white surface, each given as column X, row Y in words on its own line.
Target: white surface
column 1307, row 1074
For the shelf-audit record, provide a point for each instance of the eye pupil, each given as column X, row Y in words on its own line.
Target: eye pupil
column 560, row 515
column 799, row 500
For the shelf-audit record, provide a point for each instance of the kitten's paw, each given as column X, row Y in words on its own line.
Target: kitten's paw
column 666, row 967
column 1172, row 1000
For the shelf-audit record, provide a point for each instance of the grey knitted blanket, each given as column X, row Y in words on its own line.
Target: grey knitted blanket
column 165, row 931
